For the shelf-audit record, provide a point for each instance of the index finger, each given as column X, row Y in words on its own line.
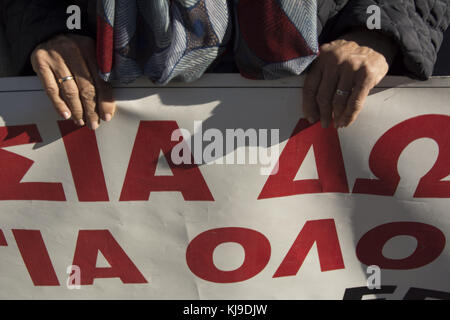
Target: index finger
column 106, row 105
column 310, row 89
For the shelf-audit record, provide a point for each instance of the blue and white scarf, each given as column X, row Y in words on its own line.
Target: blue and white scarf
column 179, row 39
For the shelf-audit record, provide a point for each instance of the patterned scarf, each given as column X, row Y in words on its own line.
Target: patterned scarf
column 179, row 39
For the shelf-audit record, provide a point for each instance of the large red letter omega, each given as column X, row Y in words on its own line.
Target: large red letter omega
column 386, row 152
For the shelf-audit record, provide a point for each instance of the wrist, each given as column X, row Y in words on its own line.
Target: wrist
column 378, row 41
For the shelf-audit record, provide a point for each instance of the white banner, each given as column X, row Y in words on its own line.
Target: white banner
column 353, row 213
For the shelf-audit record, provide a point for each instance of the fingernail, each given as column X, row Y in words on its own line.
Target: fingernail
column 94, row 125
column 66, row 115
column 108, row 117
column 80, row 122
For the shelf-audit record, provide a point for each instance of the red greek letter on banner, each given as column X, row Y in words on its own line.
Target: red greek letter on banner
column 89, row 243
column 140, row 180
column 13, row 168
column 2, row 239
column 324, row 234
column 430, row 244
column 36, row 258
column 386, row 152
column 199, row 254
column 84, row 160
column 329, row 161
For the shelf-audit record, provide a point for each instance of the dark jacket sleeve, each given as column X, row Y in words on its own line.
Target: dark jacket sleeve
column 417, row 26
column 28, row 23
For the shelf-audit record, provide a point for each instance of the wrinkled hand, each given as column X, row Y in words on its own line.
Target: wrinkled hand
column 86, row 98
column 341, row 78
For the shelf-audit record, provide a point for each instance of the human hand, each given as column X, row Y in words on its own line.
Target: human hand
column 341, row 78
column 86, row 98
